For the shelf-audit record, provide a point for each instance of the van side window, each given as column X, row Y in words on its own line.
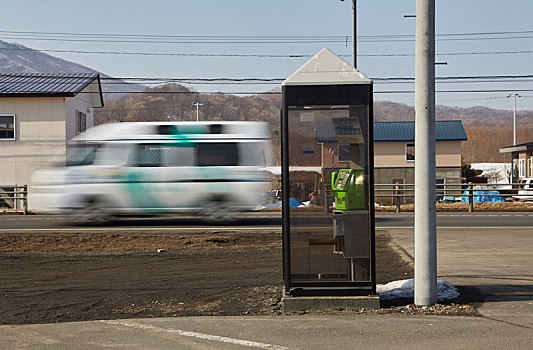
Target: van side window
column 111, row 154
column 252, row 154
column 175, row 155
column 217, row 154
column 81, row 154
column 146, row 156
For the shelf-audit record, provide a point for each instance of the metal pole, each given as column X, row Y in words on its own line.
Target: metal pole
column 354, row 38
column 425, row 196
column 514, row 117
column 25, row 189
column 470, row 197
column 197, row 110
column 514, row 121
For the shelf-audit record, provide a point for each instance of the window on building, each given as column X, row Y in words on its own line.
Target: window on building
column 7, row 126
column 441, row 187
column 81, row 122
column 531, row 166
column 409, row 152
column 344, row 153
column 521, row 168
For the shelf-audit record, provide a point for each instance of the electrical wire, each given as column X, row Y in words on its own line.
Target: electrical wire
column 287, row 41
column 253, row 80
column 138, row 53
column 247, row 37
column 253, row 39
column 279, row 92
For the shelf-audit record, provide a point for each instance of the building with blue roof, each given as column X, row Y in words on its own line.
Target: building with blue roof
column 394, row 152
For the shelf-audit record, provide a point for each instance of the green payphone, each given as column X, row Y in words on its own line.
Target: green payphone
column 349, row 188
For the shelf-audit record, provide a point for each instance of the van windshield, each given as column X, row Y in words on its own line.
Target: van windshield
column 81, row 154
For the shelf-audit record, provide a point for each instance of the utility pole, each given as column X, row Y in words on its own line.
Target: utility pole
column 197, row 110
column 425, row 197
column 514, row 117
column 354, row 35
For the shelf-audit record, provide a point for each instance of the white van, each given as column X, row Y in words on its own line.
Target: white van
column 208, row 168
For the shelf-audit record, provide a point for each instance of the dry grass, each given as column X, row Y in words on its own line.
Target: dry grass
column 457, row 207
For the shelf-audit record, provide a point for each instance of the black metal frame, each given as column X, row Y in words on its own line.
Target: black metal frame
column 305, row 95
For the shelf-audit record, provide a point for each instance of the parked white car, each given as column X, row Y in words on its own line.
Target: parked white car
column 525, row 190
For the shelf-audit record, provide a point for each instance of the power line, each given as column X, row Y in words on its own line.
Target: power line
column 259, row 93
column 139, row 53
column 249, row 79
column 272, row 41
column 168, row 79
column 246, row 37
column 254, row 80
column 240, row 39
column 278, row 82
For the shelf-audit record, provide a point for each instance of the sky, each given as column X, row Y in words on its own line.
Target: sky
column 261, row 25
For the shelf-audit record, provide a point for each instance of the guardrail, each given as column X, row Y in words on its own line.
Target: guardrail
column 10, row 194
column 398, row 191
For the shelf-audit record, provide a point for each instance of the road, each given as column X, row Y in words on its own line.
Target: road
column 253, row 221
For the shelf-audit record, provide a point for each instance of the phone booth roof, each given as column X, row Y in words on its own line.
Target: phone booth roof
column 326, row 68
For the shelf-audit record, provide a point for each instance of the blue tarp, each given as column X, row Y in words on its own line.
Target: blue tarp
column 293, row 203
column 481, row 196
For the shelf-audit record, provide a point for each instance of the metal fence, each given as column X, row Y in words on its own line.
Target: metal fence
column 399, row 191
column 11, row 196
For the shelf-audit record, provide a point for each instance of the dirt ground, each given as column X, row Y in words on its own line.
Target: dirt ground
column 59, row 277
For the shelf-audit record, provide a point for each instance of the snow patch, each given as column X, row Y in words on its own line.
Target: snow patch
column 405, row 289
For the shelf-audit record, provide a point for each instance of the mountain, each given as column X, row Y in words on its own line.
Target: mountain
column 17, row 59
column 390, row 111
column 487, row 129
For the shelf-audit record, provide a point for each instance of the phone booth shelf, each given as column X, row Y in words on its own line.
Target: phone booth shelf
column 328, row 245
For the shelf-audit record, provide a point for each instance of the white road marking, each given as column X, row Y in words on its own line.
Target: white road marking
column 197, row 335
column 457, row 227
column 143, row 229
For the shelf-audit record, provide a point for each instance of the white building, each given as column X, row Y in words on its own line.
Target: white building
column 39, row 113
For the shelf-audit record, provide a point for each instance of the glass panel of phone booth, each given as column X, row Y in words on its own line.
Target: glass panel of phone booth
column 318, row 247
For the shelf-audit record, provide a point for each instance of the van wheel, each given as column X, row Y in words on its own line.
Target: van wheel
column 94, row 212
column 219, row 212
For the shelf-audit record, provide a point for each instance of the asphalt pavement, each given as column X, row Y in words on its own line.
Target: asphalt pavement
column 253, row 221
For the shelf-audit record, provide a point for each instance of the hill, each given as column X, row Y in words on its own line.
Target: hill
column 487, row 129
column 17, row 59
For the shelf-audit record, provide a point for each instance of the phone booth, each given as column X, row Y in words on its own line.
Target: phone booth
column 327, row 151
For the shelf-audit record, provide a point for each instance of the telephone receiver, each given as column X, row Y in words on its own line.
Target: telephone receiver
column 334, row 176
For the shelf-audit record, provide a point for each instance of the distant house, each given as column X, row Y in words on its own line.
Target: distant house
column 394, row 152
column 39, row 113
column 522, row 160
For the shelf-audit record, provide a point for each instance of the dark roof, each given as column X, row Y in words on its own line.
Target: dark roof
column 446, row 130
column 47, row 85
column 517, row 148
